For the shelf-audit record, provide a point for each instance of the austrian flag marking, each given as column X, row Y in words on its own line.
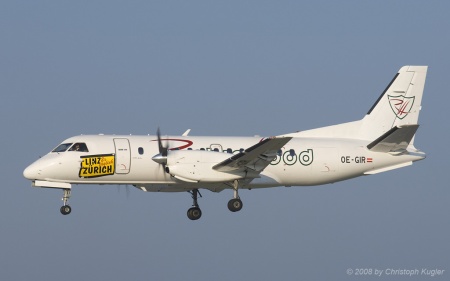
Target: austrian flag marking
column 369, row 160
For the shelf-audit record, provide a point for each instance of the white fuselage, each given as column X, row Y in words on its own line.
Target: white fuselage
column 114, row 159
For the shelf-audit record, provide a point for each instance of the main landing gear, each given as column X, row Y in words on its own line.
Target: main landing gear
column 65, row 208
column 234, row 205
column 194, row 213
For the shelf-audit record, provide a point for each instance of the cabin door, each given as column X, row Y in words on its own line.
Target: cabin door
column 123, row 156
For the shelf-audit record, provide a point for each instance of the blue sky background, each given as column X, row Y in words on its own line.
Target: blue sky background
column 219, row 68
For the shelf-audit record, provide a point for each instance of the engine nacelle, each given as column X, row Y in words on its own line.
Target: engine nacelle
column 196, row 166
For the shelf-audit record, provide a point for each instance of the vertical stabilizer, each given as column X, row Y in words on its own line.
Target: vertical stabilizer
column 398, row 105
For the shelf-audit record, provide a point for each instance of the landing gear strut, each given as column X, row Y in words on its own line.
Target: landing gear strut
column 235, row 204
column 194, row 213
column 66, row 209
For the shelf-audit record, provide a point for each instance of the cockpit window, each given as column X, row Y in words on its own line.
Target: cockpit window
column 79, row 146
column 62, row 147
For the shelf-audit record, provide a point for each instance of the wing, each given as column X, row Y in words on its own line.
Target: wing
column 255, row 158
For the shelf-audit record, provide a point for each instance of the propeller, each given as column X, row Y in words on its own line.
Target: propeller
column 161, row 157
column 162, row 150
column 127, row 190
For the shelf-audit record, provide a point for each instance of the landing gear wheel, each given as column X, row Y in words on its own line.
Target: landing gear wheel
column 194, row 213
column 65, row 210
column 235, row 205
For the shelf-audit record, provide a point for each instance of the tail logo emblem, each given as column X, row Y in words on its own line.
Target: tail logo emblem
column 401, row 105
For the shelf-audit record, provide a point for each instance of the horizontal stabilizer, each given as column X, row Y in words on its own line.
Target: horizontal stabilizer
column 394, row 140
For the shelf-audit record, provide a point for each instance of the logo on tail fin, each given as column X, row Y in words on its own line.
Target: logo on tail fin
column 401, row 105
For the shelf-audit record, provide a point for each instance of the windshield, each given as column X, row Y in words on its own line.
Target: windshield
column 79, row 146
column 62, row 147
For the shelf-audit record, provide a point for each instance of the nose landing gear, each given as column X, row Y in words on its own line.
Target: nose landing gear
column 235, row 204
column 65, row 208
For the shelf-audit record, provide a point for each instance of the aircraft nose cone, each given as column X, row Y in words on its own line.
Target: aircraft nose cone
column 30, row 172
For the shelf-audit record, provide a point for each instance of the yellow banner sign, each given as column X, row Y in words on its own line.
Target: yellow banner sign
column 97, row 166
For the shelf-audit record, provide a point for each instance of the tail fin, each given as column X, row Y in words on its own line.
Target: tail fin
column 398, row 105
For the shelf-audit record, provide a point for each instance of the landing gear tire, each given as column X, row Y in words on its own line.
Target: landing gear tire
column 235, row 205
column 194, row 213
column 65, row 210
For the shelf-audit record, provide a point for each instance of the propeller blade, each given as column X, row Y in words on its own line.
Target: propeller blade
column 162, row 150
column 161, row 158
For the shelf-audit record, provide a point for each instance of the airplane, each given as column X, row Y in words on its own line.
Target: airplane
column 381, row 141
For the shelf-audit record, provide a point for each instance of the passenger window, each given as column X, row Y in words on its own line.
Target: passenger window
column 229, row 150
column 62, row 147
column 141, row 150
column 80, row 147
column 216, row 149
column 292, row 152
